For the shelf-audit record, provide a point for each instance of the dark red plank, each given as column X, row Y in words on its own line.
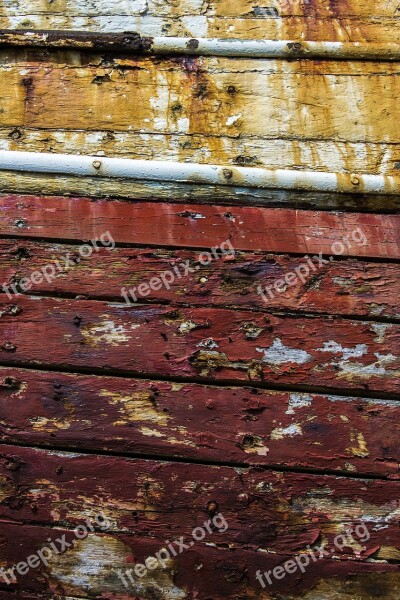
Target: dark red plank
column 351, row 287
column 199, row 422
column 202, row 226
column 205, row 343
column 89, row 569
column 272, row 511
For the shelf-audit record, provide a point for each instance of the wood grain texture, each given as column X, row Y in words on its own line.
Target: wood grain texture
column 265, row 510
column 89, row 571
column 277, row 19
column 198, row 422
column 350, row 287
column 257, row 151
column 247, row 228
column 202, row 343
column 344, row 101
column 270, row 516
column 103, row 187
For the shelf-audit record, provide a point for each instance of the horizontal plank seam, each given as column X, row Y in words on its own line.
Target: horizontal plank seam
column 209, row 135
column 72, row 449
column 276, row 311
column 77, row 242
column 272, row 138
column 231, row 383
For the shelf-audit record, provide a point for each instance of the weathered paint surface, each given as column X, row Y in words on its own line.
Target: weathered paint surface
column 173, row 224
column 234, row 392
column 217, row 97
column 103, row 187
column 151, row 496
column 353, row 287
column 277, row 19
column 321, row 155
column 189, row 421
column 202, row 343
column 88, row 571
column 323, row 115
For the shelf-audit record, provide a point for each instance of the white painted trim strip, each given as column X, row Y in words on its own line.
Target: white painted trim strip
column 274, row 49
column 89, row 166
column 136, row 43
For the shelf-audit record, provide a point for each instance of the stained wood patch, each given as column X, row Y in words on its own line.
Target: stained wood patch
column 350, row 287
column 198, row 422
column 247, row 228
column 202, row 343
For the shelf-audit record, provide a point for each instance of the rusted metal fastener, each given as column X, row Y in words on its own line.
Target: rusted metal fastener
column 355, row 180
column 97, row 164
column 8, row 347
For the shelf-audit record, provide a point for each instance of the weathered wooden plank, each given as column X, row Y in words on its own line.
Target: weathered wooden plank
column 324, row 9
column 327, row 100
column 204, row 343
column 88, row 569
column 271, row 511
column 198, row 422
column 350, row 287
column 247, row 228
column 318, row 155
column 278, row 20
column 266, row 518
column 95, row 187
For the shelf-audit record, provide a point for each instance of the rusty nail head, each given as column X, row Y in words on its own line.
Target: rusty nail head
column 295, row 47
column 97, row 164
column 193, row 43
column 355, row 180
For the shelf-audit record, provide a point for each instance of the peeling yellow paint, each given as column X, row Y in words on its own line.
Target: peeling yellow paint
column 136, row 407
column 361, row 450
